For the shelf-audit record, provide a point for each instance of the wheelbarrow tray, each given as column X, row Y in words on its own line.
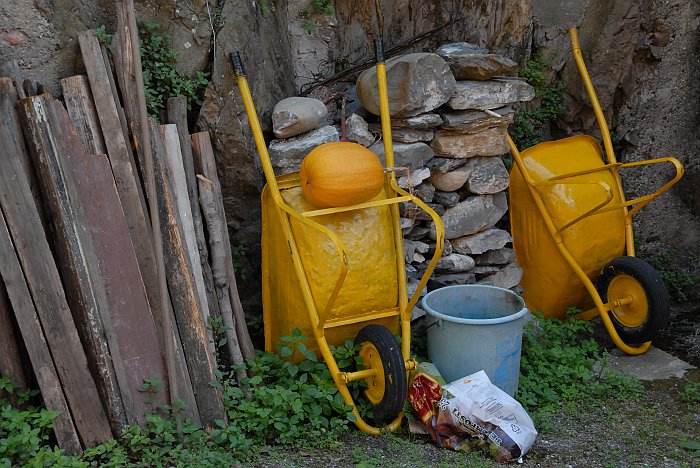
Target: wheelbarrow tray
column 550, row 283
column 370, row 292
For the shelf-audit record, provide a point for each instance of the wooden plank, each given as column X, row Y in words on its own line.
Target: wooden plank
column 124, row 63
column 206, row 165
column 83, row 114
column 11, row 364
column 123, row 169
column 49, row 299
column 8, row 115
column 51, row 144
column 135, row 330
column 183, row 291
column 34, row 338
column 173, row 157
column 11, row 69
column 179, row 376
column 177, row 114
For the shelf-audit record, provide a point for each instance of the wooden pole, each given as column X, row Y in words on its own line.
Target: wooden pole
column 216, row 228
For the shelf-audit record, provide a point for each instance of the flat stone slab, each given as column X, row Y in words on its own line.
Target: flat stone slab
column 655, row 364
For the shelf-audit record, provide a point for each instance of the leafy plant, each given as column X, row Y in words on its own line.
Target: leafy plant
column 693, row 446
column 322, row 6
column 161, row 79
column 265, row 7
column 308, row 26
column 677, row 281
column 25, row 430
column 691, row 393
column 528, row 126
column 240, row 265
column 103, row 36
column 558, row 366
column 290, row 401
column 286, row 402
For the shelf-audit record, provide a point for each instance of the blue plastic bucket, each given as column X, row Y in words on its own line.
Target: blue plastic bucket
column 474, row 327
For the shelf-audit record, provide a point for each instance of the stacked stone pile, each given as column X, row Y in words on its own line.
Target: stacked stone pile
column 453, row 150
column 448, row 150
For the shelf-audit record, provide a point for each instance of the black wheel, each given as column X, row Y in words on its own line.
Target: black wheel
column 388, row 389
column 646, row 303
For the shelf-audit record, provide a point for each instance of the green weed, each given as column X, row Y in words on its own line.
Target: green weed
column 265, row 7
column 676, row 280
column 557, row 367
column 161, row 79
column 25, row 430
column 691, row 393
column 285, row 402
column 322, row 6
column 529, row 123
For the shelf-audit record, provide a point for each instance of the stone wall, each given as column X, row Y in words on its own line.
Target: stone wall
column 450, row 114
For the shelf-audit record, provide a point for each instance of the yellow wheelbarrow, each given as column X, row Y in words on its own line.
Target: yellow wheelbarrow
column 572, row 233
column 339, row 273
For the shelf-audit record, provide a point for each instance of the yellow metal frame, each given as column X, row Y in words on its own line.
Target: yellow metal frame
column 601, row 309
column 395, row 195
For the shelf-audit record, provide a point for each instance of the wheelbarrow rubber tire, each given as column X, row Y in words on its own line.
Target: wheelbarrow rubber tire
column 639, row 328
column 393, row 369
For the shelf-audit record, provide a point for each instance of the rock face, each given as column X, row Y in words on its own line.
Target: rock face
column 486, row 175
column 506, row 278
column 407, row 135
column 496, row 257
column 645, row 82
column 419, row 122
column 490, row 94
column 474, row 214
column 489, row 142
column 455, row 263
column 470, row 62
column 484, row 241
column 474, row 121
column 412, row 155
column 357, row 130
column 450, row 181
column 296, row 115
column 287, row 155
column 417, row 83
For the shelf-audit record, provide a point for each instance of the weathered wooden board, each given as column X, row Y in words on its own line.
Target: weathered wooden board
column 118, row 266
column 183, row 291
column 206, row 165
column 177, row 114
column 8, row 116
column 11, row 347
column 34, row 338
column 124, row 63
column 11, row 70
column 48, row 296
column 50, row 144
column 173, row 158
column 178, row 372
column 81, row 108
column 121, row 160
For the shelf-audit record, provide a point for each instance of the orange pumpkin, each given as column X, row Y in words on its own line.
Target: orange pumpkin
column 340, row 174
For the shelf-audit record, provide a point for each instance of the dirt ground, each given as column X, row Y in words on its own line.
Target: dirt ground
column 615, row 433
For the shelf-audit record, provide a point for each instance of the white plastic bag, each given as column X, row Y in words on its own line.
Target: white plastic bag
column 476, row 407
